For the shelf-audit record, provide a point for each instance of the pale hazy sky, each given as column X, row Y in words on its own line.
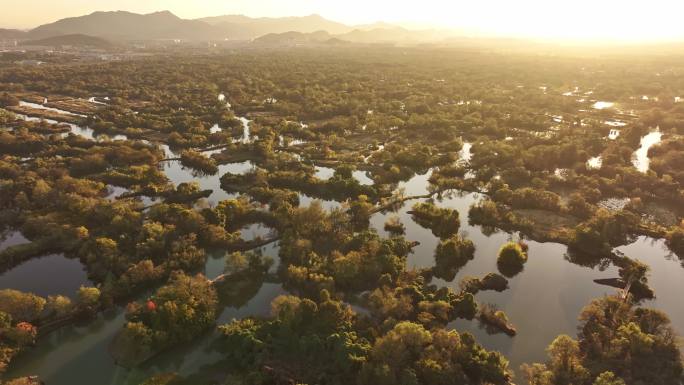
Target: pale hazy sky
column 572, row 19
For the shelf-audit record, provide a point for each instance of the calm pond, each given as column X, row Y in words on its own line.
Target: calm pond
column 52, row 274
column 178, row 174
column 47, row 275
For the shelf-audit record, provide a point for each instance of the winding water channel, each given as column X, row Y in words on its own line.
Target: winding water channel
column 641, row 160
column 43, row 107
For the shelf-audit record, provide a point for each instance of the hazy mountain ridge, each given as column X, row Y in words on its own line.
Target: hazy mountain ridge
column 128, row 26
column 293, row 37
column 123, row 25
column 378, row 35
column 254, row 27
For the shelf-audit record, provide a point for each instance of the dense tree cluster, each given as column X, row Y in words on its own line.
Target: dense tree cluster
column 618, row 343
column 199, row 162
column 452, row 254
column 443, row 222
column 512, row 257
column 316, row 343
column 177, row 313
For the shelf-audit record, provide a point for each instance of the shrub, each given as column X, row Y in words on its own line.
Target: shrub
column 451, row 255
column 443, row 222
column 511, row 259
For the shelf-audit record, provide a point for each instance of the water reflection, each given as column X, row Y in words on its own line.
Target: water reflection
column 75, row 354
column 215, row 128
column 465, row 155
column 12, row 238
column 305, row 201
column 641, row 160
column 258, row 306
column 324, row 173
column 603, row 105
column 246, row 136
column 178, row 174
column 287, row 142
column 550, row 287
column 85, row 132
column 595, row 162
column 542, row 302
column 42, row 107
column 665, row 277
column 362, row 177
column 115, row 192
column 94, row 100
column 256, row 231
column 417, row 185
column 48, row 275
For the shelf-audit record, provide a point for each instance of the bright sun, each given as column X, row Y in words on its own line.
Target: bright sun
column 625, row 20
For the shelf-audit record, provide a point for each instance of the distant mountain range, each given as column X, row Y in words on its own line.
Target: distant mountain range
column 122, row 25
column 127, row 26
column 292, row 37
column 372, row 36
column 243, row 27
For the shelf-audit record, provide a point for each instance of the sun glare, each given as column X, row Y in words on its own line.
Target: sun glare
column 570, row 20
